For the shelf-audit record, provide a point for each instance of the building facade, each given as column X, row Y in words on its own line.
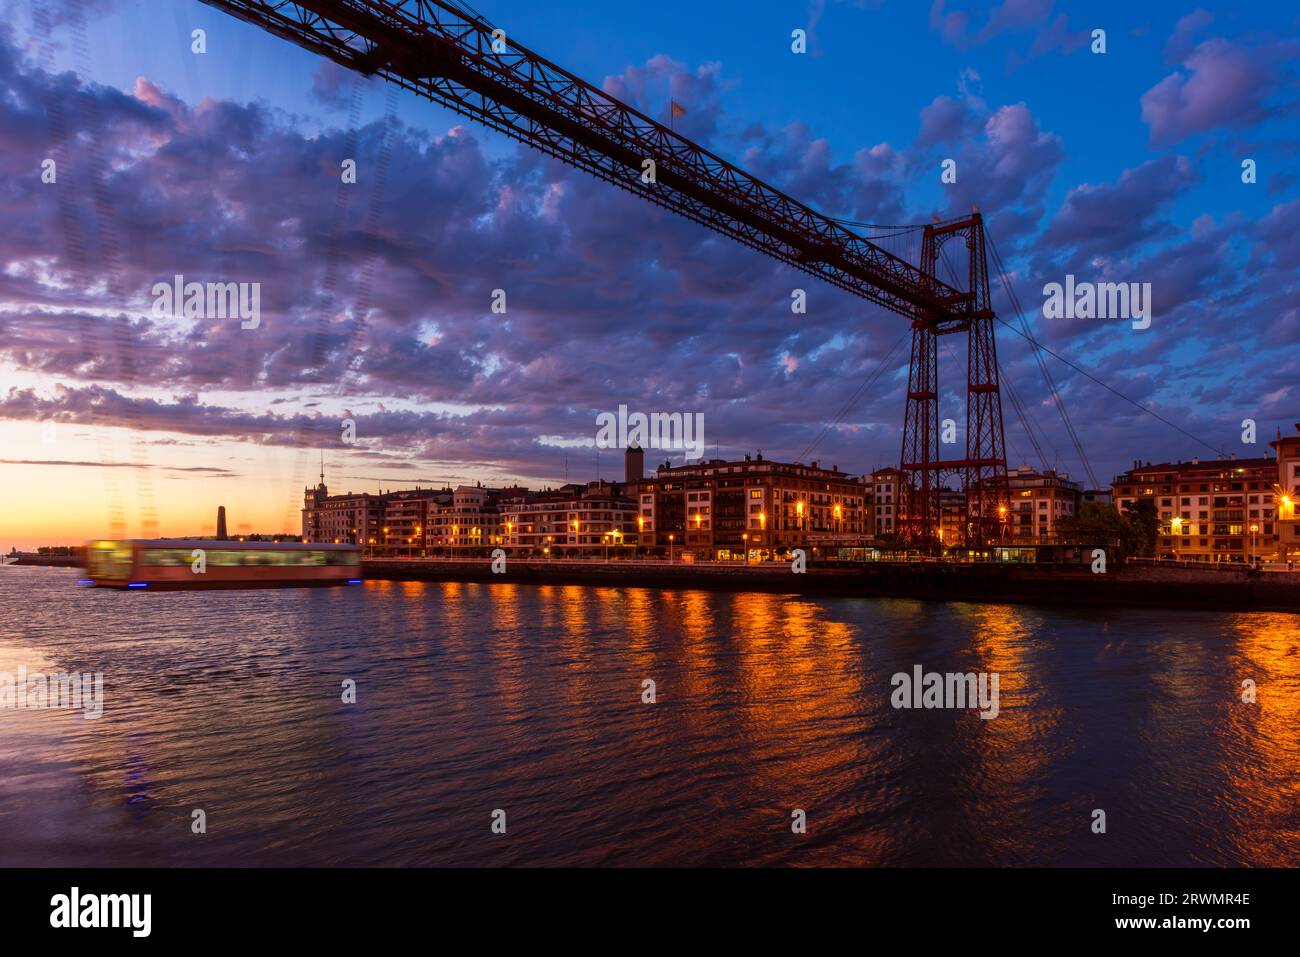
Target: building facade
column 1215, row 511
column 884, row 503
column 952, row 516
column 409, row 519
column 595, row 519
column 1037, row 502
column 1287, row 450
column 722, row 510
column 467, row 521
column 354, row 517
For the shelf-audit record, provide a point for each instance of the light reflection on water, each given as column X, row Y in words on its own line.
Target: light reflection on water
column 473, row 697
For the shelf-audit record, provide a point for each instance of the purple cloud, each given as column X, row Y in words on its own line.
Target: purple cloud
column 1113, row 217
column 1224, row 85
column 1010, row 16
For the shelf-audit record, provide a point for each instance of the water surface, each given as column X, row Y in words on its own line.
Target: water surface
column 474, row 697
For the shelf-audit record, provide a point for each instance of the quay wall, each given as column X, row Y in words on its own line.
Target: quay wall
column 1135, row 584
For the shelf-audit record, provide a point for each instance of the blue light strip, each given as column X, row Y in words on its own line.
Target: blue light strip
column 137, row 585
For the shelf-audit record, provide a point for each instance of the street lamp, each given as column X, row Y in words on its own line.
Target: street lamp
column 1254, row 543
column 745, row 538
column 1175, row 529
column 670, row 548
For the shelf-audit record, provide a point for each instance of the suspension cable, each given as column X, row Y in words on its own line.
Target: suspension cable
column 852, row 401
column 1042, row 365
column 1084, row 372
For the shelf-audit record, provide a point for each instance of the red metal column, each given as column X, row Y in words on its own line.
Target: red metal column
column 918, row 493
column 986, row 473
column 918, row 485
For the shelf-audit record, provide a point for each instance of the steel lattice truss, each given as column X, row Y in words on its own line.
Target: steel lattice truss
column 450, row 57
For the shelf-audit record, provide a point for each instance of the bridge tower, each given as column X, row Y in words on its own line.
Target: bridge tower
column 983, row 470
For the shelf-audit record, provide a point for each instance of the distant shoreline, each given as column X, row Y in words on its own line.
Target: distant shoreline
column 45, row 561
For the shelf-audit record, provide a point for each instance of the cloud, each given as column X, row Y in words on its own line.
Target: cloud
column 1113, row 217
column 1180, row 42
column 333, row 85
column 1222, row 85
column 119, row 465
column 1008, row 164
column 946, row 120
column 1009, row 17
column 376, row 300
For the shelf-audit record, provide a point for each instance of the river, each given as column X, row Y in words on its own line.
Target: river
column 532, row 701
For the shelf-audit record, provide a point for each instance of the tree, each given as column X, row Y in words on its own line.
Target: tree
column 1145, row 523
column 1096, row 523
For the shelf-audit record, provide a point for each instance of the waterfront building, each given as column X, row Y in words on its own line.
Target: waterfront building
column 355, row 517
column 468, row 519
column 572, row 521
column 884, row 501
column 1287, row 495
column 719, row 509
column 409, row 519
column 1220, row 510
column 952, row 516
column 1232, row 510
column 1037, row 501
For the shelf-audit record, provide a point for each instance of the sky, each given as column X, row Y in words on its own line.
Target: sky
column 376, row 297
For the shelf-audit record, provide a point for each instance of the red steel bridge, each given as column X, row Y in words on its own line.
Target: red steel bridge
column 451, row 56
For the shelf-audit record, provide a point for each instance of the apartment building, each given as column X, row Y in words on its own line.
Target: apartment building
column 574, row 520
column 1222, row 510
column 409, row 519
column 884, row 502
column 1037, row 500
column 469, row 520
column 719, row 509
column 952, row 516
column 353, row 517
column 1287, row 494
